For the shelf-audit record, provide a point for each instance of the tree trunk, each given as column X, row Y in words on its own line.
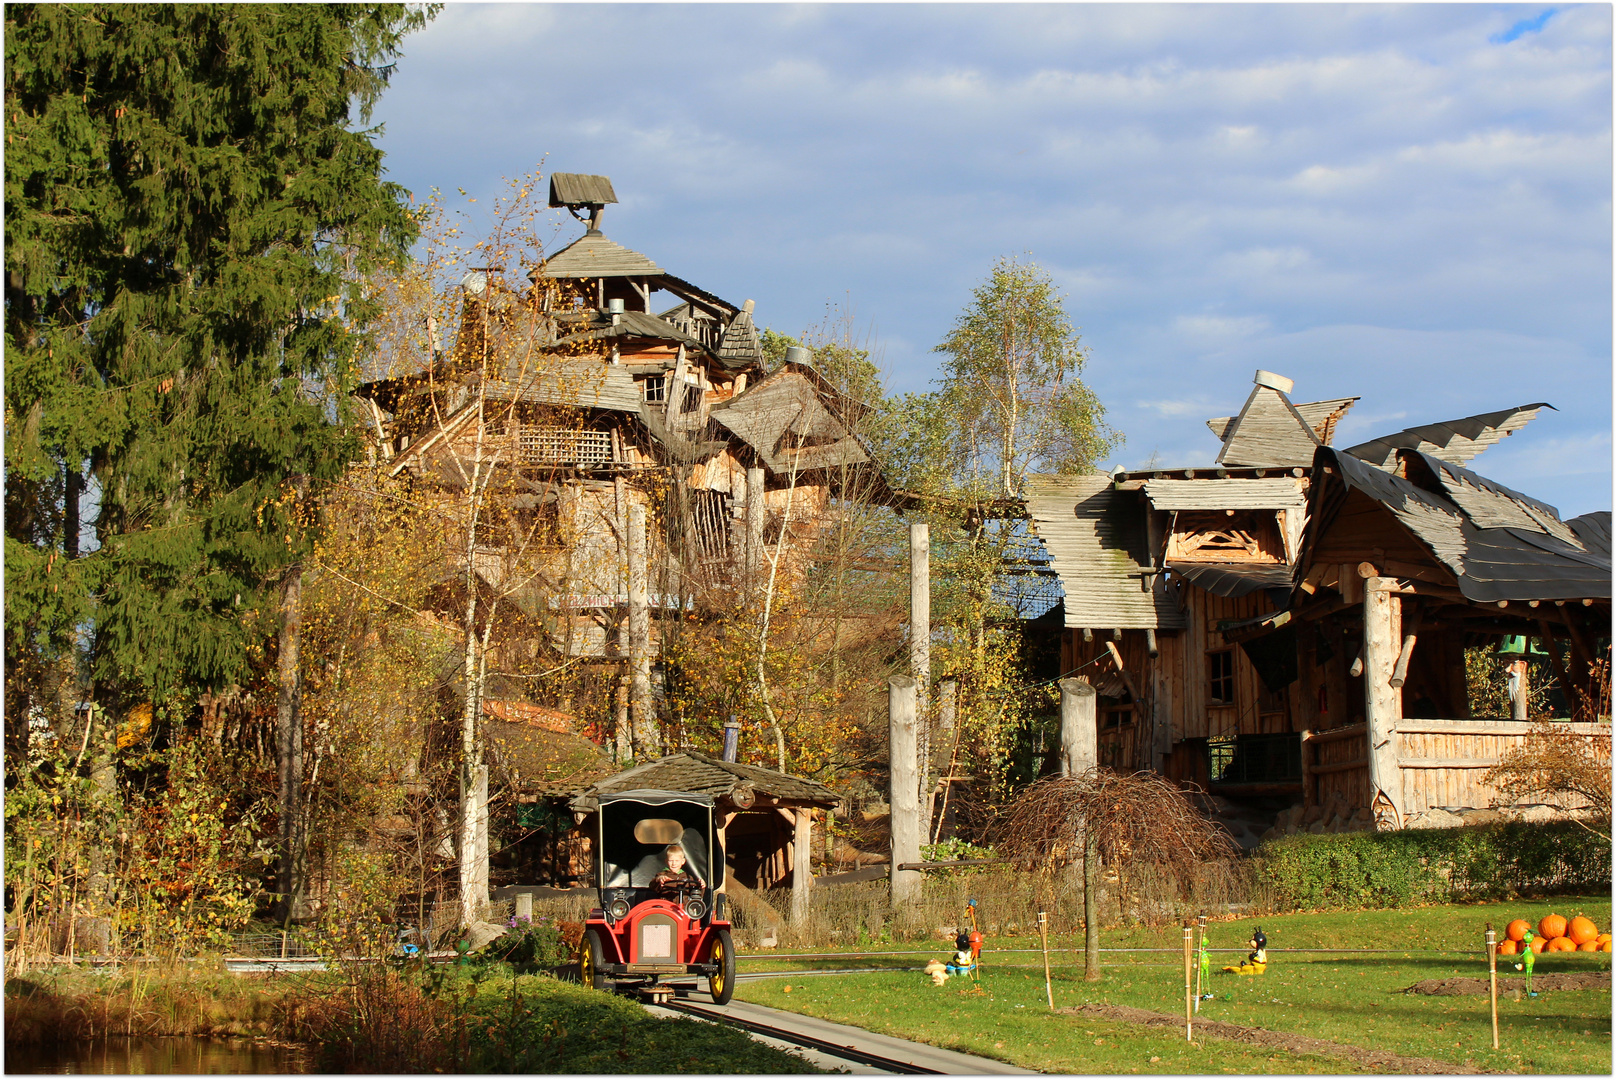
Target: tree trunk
column 1091, row 925
column 289, row 743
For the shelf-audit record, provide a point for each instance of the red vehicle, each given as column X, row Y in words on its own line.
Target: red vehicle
column 652, row 925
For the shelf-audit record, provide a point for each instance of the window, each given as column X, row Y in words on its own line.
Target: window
column 1220, row 677
column 655, row 388
column 692, row 401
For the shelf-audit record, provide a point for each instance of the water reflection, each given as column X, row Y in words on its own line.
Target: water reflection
column 150, row 1056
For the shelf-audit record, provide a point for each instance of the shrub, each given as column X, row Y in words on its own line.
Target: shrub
column 1432, row 866
column 533, row 944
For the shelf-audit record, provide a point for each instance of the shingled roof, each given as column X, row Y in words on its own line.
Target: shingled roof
column 1498, row 543
column 703, row 775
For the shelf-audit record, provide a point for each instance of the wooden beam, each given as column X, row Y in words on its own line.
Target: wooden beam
column 1448, row 763
column 1382, row 618
column 1340, row 766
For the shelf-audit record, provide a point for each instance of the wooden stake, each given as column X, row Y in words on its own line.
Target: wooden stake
column 1043, row 932
column 1189, row 1014
column 1492, row 976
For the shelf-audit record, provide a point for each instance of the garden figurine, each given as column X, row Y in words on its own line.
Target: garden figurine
column 1256, row 962
column 1528, row 956
column 1206, row 969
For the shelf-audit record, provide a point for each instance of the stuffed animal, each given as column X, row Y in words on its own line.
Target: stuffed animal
column 1256, row 961
column 938, row 972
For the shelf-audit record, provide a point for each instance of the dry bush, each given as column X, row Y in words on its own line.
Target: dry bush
column 380, row 1021
column 1560, row 766
column 1134, row 818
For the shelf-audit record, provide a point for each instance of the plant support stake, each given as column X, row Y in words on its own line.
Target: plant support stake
column 1043, row 933
column 1189, row 1021
column 1492, row 977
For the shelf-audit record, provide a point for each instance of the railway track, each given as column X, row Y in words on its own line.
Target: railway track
column 794, row 1037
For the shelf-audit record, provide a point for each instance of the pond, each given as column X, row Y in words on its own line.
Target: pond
column 139, row 1056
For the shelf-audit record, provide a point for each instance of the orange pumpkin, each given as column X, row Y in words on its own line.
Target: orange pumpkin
column 1561, row 944
column 1508, row 947
column 1588, row 946
column 1605, row 947
column 1552, row 926
column 1582, row 929
column 1516, row 930
column 1538, row 943
column 1602, row 938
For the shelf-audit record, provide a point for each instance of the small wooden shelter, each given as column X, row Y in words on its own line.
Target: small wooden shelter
column 765, row 817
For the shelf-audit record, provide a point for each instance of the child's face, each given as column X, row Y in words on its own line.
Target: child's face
column 676, row 860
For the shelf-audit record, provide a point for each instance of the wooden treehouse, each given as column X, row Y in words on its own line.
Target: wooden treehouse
column 645, row 460
column 1291, row 620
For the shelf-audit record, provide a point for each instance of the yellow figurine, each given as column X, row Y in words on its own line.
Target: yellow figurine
column 1257, row 961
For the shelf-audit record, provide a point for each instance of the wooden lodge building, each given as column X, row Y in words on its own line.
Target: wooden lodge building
column 1290, row 621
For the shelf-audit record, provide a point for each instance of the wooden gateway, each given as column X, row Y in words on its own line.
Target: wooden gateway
column 1291, row 621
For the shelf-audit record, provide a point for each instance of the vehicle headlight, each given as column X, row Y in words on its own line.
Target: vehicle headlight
column 695, row 908
column 619, row 908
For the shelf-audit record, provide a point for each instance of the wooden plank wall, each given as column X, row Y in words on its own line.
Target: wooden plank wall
column 1195, row 718
column 1468, row 748
column 1442, row 762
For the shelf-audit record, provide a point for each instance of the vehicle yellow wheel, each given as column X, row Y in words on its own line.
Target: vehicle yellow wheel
column 591, row 958
column 721, row 983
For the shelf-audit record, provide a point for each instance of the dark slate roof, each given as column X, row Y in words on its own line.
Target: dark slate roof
column 1233, row 579
column 1454, row 441
column 1491, row 558
column 1594, row 531
column 580, row 189
column 703, row 775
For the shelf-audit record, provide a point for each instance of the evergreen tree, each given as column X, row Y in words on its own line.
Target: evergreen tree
column 192, row 203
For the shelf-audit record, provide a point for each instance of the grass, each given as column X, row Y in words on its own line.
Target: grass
column 1355, row 999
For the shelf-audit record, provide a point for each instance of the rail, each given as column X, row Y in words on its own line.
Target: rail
column 824, row 1046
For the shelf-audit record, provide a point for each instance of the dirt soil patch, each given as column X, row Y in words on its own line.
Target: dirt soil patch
column 1280, row 1040
column 1570, row 980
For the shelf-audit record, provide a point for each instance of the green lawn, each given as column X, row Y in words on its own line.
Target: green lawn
column 1347, row 998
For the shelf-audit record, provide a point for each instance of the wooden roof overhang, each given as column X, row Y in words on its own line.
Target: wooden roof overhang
column 732, row 786
column 1476, row 556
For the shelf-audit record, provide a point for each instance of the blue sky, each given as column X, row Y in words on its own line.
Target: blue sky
column 1411, row 204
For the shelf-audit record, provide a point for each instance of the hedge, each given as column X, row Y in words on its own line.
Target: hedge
column 1432, row 866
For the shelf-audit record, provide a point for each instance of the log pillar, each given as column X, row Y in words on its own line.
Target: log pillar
column 903, row 792
column 1382, row 618
column 639, row 638
column 755, row 513
column 1080, row 735
column 920, row 653
column 802, row 877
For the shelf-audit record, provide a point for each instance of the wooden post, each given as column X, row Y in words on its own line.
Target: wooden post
column 1189, row 1008
column 1492, row 977
column 903, row 792
column 1043, row 934
column 920, row 654
column 643, row 723
column 1080, row 737
column 802, row 875
column 1521, row 689
column 1382, row 701
column 755, row 513
column 622, row 741
column 1091, row 924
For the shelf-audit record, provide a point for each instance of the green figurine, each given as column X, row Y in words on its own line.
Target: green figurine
column 1528, row 957
column 1206, row 969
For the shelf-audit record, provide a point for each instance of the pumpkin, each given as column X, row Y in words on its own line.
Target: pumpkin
column 1516, row 930
column 1537, row 945
column 1552, row 926
column 1508, row 947
column 1605, row 947
column 1588, row 946
column 1561, row 944
column 1582, row 929
column 1602, row 938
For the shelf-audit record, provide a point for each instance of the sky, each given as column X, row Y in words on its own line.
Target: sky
column 1409, row 204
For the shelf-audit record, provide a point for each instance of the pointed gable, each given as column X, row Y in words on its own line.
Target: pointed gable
column 1269, row 432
